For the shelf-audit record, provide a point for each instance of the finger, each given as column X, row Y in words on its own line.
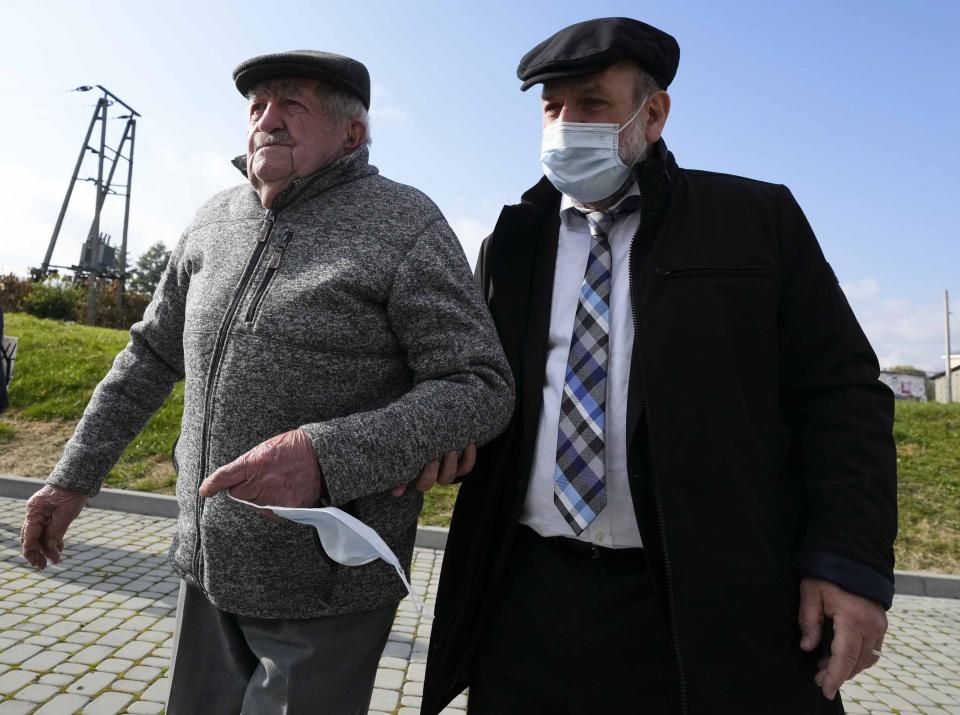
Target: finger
column 30, row 536
column 844, row 653
column 448, row 469
column 229, row 475
column 467, row 461
column 810, row 616
column 428, row 477
column 867, row 657
column 399, row 490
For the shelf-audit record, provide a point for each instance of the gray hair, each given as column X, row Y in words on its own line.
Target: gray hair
column 341, row 106
column 644, row 87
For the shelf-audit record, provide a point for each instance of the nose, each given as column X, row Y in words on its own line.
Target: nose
column 568, row 113
column 271, row 119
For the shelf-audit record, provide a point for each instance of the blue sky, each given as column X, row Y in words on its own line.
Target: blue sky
column 853, row 105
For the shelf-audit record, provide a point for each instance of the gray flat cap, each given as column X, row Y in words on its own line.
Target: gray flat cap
column 337, row 70
column 592, row 46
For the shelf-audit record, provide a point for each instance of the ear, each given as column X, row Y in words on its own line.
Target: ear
column 658, row 109
column 355, row 136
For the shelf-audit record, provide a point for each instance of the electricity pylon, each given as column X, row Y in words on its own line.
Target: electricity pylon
column 97, row 257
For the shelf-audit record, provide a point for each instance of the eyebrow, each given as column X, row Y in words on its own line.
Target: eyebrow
column 586, row 88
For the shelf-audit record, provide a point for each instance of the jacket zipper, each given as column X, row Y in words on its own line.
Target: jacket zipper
column 668, row 568
column 265, row 230
column 671, row 273
column 267, row 277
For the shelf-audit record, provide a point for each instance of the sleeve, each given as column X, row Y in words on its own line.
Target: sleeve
column 462, row 392
column 841, row 417
column 141, row 378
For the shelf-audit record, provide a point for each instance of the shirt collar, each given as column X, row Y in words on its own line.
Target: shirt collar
column 570, row 214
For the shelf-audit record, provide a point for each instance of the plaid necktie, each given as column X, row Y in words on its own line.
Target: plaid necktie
column 578, row 490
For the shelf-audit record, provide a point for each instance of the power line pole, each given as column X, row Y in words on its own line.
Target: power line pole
column 946, row 325
column 97, row 257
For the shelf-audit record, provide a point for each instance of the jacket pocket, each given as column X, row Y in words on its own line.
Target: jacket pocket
column 272, row 266
column 745, row 271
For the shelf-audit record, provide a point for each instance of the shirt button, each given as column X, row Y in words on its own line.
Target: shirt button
column 600, row 537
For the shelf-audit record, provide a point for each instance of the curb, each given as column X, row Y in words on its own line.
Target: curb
column 428, row 537
column 908, row 583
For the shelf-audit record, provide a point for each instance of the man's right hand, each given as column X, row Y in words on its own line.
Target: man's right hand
column 49, row 513
column 453, row 465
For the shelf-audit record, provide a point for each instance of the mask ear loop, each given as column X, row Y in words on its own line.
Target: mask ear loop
column 642, row 104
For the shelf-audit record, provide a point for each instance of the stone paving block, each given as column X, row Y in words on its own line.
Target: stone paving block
column 12, row 707
column 143, row 672
column 63, row 704
column 58, row 679
column 13, row 680
column 91, row 683
column 384, row 699
column 158, row 691
column 389, row 679
column 71, row 668
column 91, row 654
column 108, row 704
column 45, row 660
column 19, row 653
column 117, row 637
column 129, row 686
column 135, row 651
column 37, row 693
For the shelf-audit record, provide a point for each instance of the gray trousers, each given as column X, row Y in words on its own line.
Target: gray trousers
column 228, row 664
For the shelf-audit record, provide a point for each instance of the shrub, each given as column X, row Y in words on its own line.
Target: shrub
column 54, row 298
column 108, row 316
column 13, row 290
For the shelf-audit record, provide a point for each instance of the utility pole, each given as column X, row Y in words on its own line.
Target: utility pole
column 97, row 257
column 946, row 325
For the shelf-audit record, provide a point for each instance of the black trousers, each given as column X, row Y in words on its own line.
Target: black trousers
column 571, row 634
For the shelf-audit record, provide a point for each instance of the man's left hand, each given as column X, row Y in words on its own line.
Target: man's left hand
column 282, row 471
column 858, row 628
column 453, row 465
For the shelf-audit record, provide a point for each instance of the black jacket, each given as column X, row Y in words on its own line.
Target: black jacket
column 760, row 438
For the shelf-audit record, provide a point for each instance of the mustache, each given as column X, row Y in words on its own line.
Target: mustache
column 281, row 136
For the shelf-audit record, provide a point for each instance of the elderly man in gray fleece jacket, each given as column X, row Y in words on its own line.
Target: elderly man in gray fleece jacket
column 333, row 342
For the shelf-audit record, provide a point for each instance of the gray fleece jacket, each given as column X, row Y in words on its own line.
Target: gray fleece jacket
column 347, row 310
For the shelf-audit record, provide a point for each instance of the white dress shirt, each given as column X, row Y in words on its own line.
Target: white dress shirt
column 616, row 524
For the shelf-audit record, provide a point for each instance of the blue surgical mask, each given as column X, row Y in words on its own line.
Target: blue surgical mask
column 583, row 160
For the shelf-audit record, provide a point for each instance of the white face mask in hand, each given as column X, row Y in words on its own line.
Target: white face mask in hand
column 583, row 160
column 345, row 539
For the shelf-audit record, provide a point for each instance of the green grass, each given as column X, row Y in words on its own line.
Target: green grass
column 8, row 433
column 928, row 455
column 59, row 364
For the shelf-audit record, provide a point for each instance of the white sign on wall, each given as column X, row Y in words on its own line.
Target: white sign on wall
column 905, row 387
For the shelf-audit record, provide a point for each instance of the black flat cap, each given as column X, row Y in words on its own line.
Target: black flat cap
column 337, row 70
column 594, row 45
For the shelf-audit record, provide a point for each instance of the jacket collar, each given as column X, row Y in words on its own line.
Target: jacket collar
column 350, row 167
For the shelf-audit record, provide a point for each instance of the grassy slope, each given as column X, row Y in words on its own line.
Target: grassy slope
column 928, row 455
column 59, row 364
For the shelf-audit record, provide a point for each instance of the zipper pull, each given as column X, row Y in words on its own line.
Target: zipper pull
column 274, row 261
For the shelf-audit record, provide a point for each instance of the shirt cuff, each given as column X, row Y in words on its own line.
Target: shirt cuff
column 849, row 575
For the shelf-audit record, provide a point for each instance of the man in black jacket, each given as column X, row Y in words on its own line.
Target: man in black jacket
column 694, row 507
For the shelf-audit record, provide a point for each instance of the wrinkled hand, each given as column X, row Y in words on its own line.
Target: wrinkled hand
column 858, row 628
column 454, row 464
column 282, row 471
column 49, row 513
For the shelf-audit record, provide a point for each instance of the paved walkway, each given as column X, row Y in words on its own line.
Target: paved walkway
column 93, row 634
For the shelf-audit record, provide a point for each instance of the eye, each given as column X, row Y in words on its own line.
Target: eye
column 552, row 109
